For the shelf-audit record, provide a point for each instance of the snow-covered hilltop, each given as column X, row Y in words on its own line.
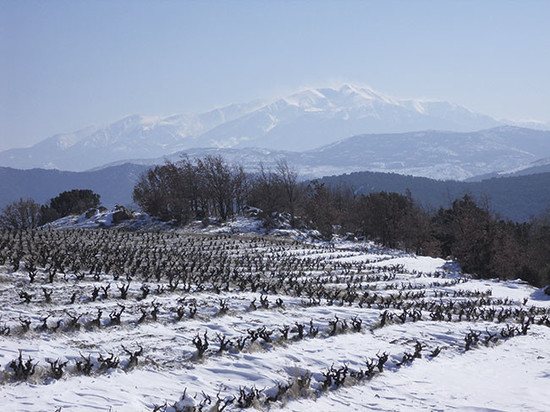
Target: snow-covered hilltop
column 432, row 154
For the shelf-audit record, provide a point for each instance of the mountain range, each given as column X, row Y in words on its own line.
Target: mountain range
column 433, row 154
column 320, row 132
column 304, row 121
column 132, row 137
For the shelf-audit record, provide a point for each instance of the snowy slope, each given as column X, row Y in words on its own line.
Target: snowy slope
column 402, row 310
column 434, row 154
column 538, row 166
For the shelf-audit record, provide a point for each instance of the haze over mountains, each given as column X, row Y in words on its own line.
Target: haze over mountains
column 305, row 122
column 433, row 154
column 320, row 132
column 131, row 137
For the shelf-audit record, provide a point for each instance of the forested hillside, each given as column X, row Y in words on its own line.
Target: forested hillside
column 516, row 198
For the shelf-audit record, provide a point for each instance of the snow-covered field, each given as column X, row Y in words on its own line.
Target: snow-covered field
column 165, row 321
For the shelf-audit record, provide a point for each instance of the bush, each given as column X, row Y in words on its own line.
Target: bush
column 73, row 202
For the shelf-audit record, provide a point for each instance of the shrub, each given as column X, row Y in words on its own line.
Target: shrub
column 73, row 202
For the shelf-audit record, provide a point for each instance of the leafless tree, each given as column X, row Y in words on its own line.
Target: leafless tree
column 217, row 176
column 21, row 214
column 287, row 178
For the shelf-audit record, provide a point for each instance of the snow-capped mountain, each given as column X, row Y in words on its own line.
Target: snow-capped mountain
column 312, row 118
column 302, row 121
column 131, row 137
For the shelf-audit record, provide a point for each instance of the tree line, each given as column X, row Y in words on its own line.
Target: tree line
column 469, row 232
column 481, row 242
column 201, row 188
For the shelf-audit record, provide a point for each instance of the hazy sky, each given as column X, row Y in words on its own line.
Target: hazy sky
column 69, row 64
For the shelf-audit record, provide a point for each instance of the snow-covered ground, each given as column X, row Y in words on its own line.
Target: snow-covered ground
column 290, row 326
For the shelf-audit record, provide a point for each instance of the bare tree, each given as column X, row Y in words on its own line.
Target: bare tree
column 21, row 214
column 240, row 185
column 217, row 176
column 266, row 192
column 194, row 187
column 161, row 192
column 287, row 177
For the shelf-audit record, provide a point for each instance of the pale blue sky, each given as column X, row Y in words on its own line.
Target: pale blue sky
column 69, row 64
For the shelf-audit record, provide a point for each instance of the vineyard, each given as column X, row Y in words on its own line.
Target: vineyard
column 140, row 321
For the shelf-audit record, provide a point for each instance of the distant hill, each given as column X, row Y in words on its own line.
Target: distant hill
column 539, row 166
column 113, row 184
column 433, row 154
column 517, row 198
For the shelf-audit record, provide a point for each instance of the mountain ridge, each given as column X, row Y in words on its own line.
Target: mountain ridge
column 114, row 184
column 301, row 121
column 433, row 154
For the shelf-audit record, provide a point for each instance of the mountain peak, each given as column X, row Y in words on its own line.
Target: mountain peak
column 306, row 98
column 349, row 89
column 350, row 94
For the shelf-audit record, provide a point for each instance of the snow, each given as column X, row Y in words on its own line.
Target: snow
column 508, row 375
column 307, row 99
column 96, row 219
column 488, row 379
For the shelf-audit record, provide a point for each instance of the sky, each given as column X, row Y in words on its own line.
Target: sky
column 68, row 64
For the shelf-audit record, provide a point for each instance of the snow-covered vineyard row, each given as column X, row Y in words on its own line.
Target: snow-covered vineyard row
column 111, row 320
